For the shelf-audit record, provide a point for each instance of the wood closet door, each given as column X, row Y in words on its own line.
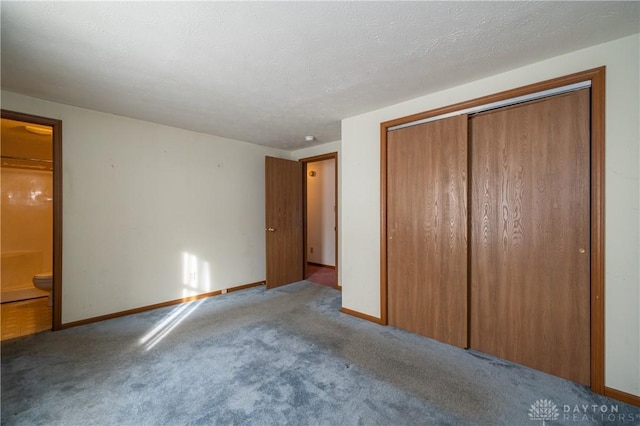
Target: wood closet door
column 427, row 229
column 530, row 208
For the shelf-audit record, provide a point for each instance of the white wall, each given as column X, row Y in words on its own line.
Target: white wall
column 360, row 203
column 321, row 195
column 152, row 213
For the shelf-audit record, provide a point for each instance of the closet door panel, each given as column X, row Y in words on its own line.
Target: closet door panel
column 529, row 251
column 427, row 229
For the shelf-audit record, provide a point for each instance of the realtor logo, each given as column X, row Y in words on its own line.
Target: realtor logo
column 544, row 410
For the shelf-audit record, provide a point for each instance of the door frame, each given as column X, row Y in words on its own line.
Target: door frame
column 56, row 125
column 305, row 162
column 597, row 78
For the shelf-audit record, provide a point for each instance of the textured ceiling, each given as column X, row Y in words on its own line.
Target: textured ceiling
column 272, row 72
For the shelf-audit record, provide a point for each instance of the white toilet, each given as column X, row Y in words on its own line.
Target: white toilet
column 44, row 282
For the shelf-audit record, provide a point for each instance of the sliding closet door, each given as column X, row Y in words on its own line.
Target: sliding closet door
column 427, row 229
column 530, row 289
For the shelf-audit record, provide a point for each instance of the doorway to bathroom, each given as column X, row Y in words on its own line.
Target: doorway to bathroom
column 31, row 223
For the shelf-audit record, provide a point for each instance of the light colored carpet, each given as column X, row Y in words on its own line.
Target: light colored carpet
column 284, row 356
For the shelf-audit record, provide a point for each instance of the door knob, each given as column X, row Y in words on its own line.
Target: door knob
column 270, row 229
column 581, row 250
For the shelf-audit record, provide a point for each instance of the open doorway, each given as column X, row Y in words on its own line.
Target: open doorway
column 32, row 223
column 321, row 219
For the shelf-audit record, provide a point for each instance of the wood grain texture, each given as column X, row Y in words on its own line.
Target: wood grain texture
column 284, row 214
column 427, row 229
column 597, row 229
column 530, row 239
column 384, row 286
column 597, row 78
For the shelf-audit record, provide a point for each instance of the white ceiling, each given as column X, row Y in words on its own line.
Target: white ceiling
column 272, row 72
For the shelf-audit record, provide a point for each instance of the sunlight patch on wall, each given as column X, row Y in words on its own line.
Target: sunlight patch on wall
column 196, row 275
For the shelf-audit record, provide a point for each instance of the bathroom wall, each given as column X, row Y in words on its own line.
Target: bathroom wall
column 26, row 199
column 27, row 216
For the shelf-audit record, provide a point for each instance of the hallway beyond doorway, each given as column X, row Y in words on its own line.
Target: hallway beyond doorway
column 321, row 274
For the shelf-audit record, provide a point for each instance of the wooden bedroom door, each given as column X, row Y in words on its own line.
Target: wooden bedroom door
column 427, row 229
column 283, row 221
column 530, row 239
